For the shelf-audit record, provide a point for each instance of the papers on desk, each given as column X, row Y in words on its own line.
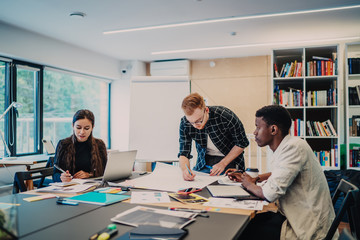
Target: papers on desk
column 226, row 181
column 233, row 203
column 166, row 177
column 75, row 181
column 77, row 188
column 149, row 197
column 156, row 217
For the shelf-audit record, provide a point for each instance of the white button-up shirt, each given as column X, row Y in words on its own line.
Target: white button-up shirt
column 298, row 183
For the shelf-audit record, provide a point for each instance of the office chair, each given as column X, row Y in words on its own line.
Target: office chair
column 22, row 176
column 346, row 235
column 350, row 205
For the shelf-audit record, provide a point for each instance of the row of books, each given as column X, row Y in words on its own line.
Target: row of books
column 354, row 65
column 297, row 127
column 291, row 98
column 354, row 157
column 354, row 126
column 320, row 68
column 354, row 95
column 328, row 158
column 293, row 69
column 323, row 129
column 322, row 98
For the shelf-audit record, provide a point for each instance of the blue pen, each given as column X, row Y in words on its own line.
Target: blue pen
column 209, row 167
column 188, row 169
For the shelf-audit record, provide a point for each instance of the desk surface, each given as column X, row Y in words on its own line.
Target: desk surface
column 217, row 226
column 26, row 160
column 29, row 217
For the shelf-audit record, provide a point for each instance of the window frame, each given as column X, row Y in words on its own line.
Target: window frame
column 10, row 128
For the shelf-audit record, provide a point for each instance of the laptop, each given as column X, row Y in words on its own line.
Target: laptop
column 231, row 192
column 49, row 146
column 119, row 165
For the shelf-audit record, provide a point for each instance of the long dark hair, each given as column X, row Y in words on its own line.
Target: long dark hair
column 96, row 161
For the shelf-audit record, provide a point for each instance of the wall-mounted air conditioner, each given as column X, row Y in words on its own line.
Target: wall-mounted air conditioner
column 170, row 68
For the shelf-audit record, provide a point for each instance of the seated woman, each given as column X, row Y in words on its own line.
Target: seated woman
column 80, row 155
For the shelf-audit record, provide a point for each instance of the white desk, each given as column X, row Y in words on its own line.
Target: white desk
column 26, row 160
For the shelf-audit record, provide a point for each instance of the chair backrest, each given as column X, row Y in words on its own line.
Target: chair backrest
column 22, row 176
column 346, row 235
column 350, row 205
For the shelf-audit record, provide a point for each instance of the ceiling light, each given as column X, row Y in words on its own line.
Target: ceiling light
column 251, row 45
column 77, row 15
column 238, row 18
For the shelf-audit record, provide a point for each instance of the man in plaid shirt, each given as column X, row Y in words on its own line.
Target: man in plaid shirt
column 218, row 134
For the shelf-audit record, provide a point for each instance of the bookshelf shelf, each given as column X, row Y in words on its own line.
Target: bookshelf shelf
column 309, row 90
column 352, row 105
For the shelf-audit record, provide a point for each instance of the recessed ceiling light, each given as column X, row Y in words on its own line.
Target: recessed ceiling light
column 228, row 19
column 77, row 15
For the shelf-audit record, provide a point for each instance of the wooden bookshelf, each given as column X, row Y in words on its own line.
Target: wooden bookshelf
column 311, row 96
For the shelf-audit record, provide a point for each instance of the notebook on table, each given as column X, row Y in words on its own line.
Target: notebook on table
column 231, row 192
column 98, row 198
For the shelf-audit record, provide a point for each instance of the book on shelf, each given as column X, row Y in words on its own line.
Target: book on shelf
column 291, row 98
column 354, row 65
column 354, row 95
column 297, row 128
column 282, row 70
column 354, row 126
column 354, row 157
column 289, row 69
column 320, row 68
column 322, row 98
column 323, row 129
column 276, row 71
column 328, row 158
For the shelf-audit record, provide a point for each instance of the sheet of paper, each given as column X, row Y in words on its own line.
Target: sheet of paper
column 40, row 197
column 232, row 203
column 166, row 177
column 225, row 180
column 149, row 197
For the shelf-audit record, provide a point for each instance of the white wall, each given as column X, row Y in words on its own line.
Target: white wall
column 25, row 45
column 28, row 46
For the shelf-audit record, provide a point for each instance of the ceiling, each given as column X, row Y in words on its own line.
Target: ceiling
column 255, row 35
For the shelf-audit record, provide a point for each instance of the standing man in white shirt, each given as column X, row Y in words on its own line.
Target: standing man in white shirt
column 296, row 182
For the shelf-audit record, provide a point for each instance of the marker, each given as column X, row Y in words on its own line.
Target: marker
column 187, row 210
column 209, row 167
column 188, row 169
column 105, row 233
column 65, row 202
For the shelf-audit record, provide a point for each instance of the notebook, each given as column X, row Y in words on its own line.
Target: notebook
column 119, row 165
column 98, row 198
column 227, row 191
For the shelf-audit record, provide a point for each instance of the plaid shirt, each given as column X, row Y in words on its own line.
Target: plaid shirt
column 224, row 129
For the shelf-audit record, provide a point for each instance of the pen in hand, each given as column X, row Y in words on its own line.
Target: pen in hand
column 60, row 169
column 188, row 169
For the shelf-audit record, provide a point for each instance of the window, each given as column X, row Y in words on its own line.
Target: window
column 27, row 121
column 3, row 69
column 49, row 98
column 64, row 94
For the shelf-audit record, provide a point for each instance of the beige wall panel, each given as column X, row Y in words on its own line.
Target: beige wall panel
column 241, row 84
column 240, row 67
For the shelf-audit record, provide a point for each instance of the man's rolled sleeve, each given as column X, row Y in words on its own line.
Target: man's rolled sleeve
column 184, row 141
